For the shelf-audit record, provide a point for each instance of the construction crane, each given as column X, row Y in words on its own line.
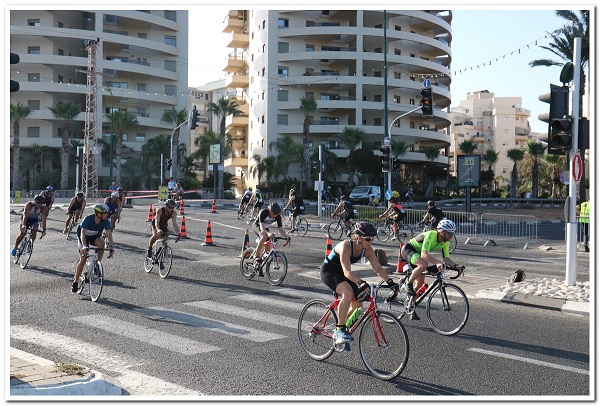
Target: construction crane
column 89, row 173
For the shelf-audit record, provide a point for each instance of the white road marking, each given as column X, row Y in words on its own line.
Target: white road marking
column 531, row 361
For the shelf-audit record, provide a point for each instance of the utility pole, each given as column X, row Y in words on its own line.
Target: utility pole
column 89, row 180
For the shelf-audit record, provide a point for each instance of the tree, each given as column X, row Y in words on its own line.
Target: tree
column 203, row 152
column 223, row 108
column 562, row 46
column 18, row 112
column 467, row 147
column 175, row 117
column 432, row 171
column 555, row 163
column 287, row 151
column 65, row 110
column 351, row 137
column 398, row 149
column 364, row 161
column 122, row 121
column 533, row 152
column 515, row 155
column 308, row 105
column 491, row 157
column 259, row 168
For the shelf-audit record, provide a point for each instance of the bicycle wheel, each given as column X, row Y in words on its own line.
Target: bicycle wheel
column 315, row 327
column 250, row 219
column 286, row 223
column 383, row 231
column 302, row 226
column 335, row 230
column 453, row 244
column 26, row 251
column 165, row 262
column 70, row 226
column 276, row 268
column 148, row 264
column 405, row 232
column 447, row 309
column 247, row 264
column 96, row 278
column 241, row 213
column 383, row 346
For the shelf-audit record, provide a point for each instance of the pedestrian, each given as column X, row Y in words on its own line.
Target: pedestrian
column 374, row 201
column 113, row 187
column 583, row 213
column 339, row 193
column 528, row 197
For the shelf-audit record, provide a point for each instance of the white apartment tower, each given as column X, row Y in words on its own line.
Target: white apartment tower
column 337, row 56
column 141, row 62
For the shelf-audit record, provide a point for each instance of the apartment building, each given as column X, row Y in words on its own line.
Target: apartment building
column 141, row 62
column 337, row 57
column 490, row 122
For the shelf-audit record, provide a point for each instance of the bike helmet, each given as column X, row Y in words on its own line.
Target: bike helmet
column 101, row 209
column 39, row 199
column 343, row 197
column 446, row 225
column 275, row 208
column 120, row 189
column 79, row 194
column 250, row 188
column 49, row 188
column 431, row 203
column 114, row 195
column 364, row 228
column 170, row 203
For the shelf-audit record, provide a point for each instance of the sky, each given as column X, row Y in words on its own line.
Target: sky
column 479, row 36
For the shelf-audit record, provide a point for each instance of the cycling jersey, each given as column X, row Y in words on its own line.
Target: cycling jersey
column 33, row 215
column 334, row 256
column 93, row 229
column 247, row 196
column 437, row 215
column 164, row 219
column 351, row 212
column 259, row 200
column 332, row 273
column 428, row 242
column 113, row 205
column 76, row 206
column 266, row 220
column 47, row 198
column 399, row 212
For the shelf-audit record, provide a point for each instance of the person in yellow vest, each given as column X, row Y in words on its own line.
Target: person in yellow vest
column 583, row 213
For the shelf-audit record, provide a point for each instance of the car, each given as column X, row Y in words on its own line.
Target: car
column 362, row 194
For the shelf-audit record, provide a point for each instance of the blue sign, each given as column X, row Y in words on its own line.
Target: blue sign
column 427, row 83
column 387, row 141
column 388, row 194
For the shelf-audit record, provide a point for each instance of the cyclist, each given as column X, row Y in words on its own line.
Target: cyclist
column 396, row 212
column 434, row 215
column 266, row 217
column 336, row 273
column 418, row 252
column 410, row 196
column 90, row 232
column 33, row 211
column 327, row 196
column 121, row 200
column 76, row 207
column 48, row 195
column 160, row 223
column 114, row 204
column 245, row 199
column 298, row 206
column 258, row 202
column 292, row 189
column 348, row 210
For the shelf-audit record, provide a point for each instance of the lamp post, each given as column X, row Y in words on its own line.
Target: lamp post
column 110, row 161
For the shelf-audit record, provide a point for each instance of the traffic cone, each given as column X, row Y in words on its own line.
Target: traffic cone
column 401, row 261
column 246, row 243
column 208, row 239
column 150, row 215
column 214, row 206
column 181, row 212
column 183, row 233
column 329, row 247
column 154, row 216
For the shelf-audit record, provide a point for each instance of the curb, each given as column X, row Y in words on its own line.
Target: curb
column 566, row 306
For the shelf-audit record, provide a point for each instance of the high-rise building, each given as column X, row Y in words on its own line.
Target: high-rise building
column 141, row 64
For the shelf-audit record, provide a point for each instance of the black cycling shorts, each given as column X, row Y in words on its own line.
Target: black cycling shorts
column 297, row 211
column 332, row 275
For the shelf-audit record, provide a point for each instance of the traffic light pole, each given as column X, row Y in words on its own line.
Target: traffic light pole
column 571, row 218
column 172, row 136
column 389, row 175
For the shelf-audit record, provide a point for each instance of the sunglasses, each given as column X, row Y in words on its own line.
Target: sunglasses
column 369, row 239
column 449, row 234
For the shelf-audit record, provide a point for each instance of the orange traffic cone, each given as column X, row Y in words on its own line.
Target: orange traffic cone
column 246, row 243
column 154, row 216
column 183, row 233
column 329, row 247
column 181, row 212
column 214, row 206
column 208, row 239
column 401, row 261
column 150, row 215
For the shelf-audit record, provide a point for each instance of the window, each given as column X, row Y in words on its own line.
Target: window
column 377, row 98
column 282, row 95
column 140, row 137
column 33, row 77
column 263, row 72
column 141, row 87
column 142, row 35
column 33, row 132
column 397, row 99
column 264, row 48
column 397, row 51
column 282, row 71
column 108, row 18
column 283, row 23
column 263, row 24
column 61, row 51
column 33, row 22
column 397, row 28
column 171, row 40
column 171, row 15
column 171, row 65
column 117, row 85
column 170, row 90
column 310, row 48
column 33, row 50
column 282, row 119
column 61, row 79
column 263, row 96
column 262, row 121
column 411, row 102
column 33, row 104
column 283, row 47
column 378, row 50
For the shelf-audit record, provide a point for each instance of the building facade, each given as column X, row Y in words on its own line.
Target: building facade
column 141, row 61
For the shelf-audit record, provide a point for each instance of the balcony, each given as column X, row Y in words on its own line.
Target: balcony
column 237, row 121
column 238, row 160
column 235, row 63
column 235, row 21
column 237, row 80
column 238, row 40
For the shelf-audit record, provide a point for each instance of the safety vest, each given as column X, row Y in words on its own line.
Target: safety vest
column 584, row 213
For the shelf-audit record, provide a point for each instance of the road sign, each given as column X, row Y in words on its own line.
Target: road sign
column 577, row 168
column 387, row 141
column 427, row 83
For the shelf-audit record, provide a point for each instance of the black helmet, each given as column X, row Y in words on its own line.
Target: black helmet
column 343, row 197
column 275, row 208
column 170, row 203
column 79, row 194
column 364, row 228
column 119, row 189
column 39, row 199
column 431, row 203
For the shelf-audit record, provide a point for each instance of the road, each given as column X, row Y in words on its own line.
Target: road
column 204, row 330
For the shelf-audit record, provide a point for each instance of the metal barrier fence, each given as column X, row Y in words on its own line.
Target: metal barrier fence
column 504, row 226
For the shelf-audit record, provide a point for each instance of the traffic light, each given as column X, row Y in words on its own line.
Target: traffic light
column 583, row 134
column 396, row 164
column 193, row 118
column 169, row 163
column 385, row 158
column 558, row 134
column 427, row 102
column 14, row 59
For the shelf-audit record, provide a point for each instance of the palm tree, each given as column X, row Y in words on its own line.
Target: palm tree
column 431, row 152
column 351, row 137
column 203, row 152
column 491, row 157
column 467, row 147
column 65, row 110
column 398, row 149
column 287, row 151
column 515, row 155
column 308, row 105
column 533, row 152
column 18, row 112
column 259, row 169
column 175, row 117
column 223, row 108
column 555, row 163
column 562, row 46
column 122, row 121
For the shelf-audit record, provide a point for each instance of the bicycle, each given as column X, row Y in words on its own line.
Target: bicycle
column 337, row 229
column 427, row 227
column 72, row 223
column 93, row 274
column 385, row 231
column 252, row 217
column 301, row 224
column 243, row 211
column 383, row 346
column 273, row 262
column 26, row 248
column 447, row 306
column 162, row 255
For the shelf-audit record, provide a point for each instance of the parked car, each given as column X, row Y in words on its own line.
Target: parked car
column 362, row 194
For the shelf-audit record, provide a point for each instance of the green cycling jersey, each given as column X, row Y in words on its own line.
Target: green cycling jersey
column 428, row 242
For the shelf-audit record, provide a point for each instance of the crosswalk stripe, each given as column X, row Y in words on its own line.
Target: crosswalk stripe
column 147, row 335
column 246, row 333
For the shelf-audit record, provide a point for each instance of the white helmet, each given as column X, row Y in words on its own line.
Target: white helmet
column 446, row 225
column 114, row 195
